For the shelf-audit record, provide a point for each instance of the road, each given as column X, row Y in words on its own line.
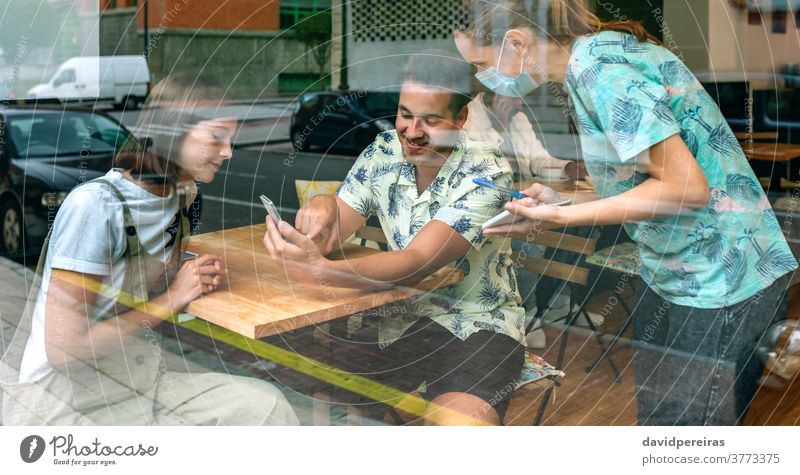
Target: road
column 231, row 200
column 263, row 163
column 259, row 123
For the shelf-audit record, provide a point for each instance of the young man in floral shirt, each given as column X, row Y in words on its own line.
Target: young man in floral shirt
column 463, row 341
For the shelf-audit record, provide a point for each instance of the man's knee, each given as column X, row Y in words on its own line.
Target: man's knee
column 457, row 408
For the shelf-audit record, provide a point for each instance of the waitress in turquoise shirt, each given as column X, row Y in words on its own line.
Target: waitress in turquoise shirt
column 713, row 260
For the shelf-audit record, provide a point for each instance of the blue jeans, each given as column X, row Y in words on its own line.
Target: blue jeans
column 699, row 366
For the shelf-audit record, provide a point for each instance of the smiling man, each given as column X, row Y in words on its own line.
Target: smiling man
column 463, row 341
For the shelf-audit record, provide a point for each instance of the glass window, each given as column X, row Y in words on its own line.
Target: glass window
column 292, row 11
column 779, row 21
column 754, row 17
column 732, row 98
column 66, row 76
column 784, row 105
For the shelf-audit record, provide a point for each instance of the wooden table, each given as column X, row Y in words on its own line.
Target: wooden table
column 771, row 151
column 257, row 299
column 579, row 191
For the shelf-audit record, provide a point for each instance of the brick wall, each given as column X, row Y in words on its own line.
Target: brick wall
column 249, row 61
column 247, row 15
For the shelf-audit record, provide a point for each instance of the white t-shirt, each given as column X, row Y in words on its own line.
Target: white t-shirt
column 89, row 237
column 519, row 143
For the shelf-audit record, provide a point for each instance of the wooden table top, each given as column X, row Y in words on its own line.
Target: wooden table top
column 257, row 299
column 771, row 151
column 578, row 190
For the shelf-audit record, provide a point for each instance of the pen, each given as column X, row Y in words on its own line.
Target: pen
column 489, row 184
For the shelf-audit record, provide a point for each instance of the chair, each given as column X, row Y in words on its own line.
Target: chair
column 620, row 258
column 565, row 263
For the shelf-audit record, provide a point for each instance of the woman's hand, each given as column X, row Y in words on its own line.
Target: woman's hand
column 541, row 194
column 538, row 214
column 576, row 170
column 504, row 107
column 195, row 277
column 318, row 220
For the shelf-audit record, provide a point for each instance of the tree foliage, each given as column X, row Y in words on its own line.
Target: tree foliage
column 314, row 32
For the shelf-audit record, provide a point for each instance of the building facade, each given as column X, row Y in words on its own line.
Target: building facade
column 728, row 37
column 248, row 45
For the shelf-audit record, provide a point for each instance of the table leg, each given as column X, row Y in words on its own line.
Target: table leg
column 321, row 410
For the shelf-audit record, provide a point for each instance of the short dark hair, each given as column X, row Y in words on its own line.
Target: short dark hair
column 166, row 117
column 441, row 70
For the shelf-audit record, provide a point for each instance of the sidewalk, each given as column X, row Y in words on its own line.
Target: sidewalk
column 15, row 279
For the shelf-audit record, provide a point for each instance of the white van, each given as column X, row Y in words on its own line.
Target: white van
column 107, row 80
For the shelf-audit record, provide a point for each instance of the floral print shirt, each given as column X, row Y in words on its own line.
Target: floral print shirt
column 382, row 182
column 626, row 97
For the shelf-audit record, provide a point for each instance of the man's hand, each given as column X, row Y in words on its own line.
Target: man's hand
column 318, row 220
column 539, row 214
column 539, row 217
column 504, row 108
column 576, row 170
column 299, row 254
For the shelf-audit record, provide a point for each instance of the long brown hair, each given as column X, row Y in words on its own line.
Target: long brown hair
column 169, row 113
column 488, row 20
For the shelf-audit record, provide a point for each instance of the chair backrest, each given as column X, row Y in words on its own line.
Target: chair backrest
column 569, row 272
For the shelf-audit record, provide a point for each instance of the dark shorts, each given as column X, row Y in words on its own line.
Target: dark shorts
column 485, row 365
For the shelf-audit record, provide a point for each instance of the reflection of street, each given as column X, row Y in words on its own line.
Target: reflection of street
column 258, row 123
column 259, row 168
column 232, row 199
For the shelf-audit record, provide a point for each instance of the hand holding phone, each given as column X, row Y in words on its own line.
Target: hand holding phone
column 272, row 210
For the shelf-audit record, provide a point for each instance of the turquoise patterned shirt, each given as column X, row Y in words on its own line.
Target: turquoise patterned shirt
column 626, row 97
column 381, row 181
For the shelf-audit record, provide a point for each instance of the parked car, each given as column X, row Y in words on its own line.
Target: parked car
column 342, row 120
column 45, row 151
column 118, row 81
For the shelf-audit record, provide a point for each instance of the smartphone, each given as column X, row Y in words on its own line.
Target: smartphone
column 272, row 210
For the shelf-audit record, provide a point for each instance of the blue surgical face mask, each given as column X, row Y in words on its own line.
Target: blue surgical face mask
column 519, row 86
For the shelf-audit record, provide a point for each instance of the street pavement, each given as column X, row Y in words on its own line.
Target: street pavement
column 263, row 163
column 259, row 123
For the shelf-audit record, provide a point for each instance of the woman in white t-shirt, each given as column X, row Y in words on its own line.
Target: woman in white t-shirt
column 86, row 351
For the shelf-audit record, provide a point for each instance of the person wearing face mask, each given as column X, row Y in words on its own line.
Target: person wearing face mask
column 86, row 350
column 504, row 118
column 713, row 262
column 463, row 341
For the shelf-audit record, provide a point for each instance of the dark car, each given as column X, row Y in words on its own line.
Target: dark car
column 342, row 120
column 45, row 151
